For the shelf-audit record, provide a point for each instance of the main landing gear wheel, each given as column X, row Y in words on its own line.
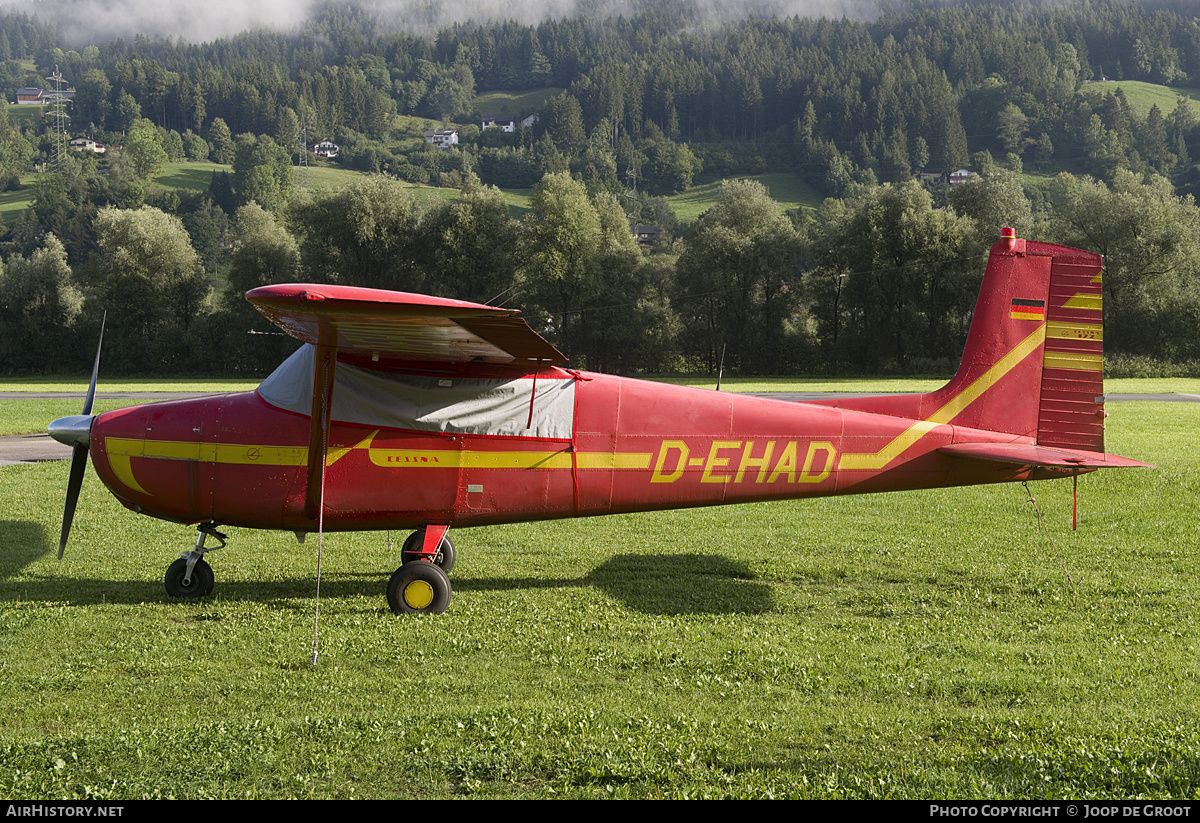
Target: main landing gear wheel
column 411, row 550
column 178, row 584
column 419, row 587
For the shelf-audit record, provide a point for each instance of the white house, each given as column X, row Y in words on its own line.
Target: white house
column 960, row 176
column 442, row 138
column 87, row 144
column 326, row 148
column 506, row 122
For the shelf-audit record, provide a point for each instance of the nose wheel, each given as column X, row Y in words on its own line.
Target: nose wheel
column 180, row 583
column 190, row 576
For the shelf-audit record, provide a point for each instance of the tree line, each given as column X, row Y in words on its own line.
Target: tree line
column 883, row 280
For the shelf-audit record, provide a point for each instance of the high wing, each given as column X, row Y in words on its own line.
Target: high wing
column 387, row 327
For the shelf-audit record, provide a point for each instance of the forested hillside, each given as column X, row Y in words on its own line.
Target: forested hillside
column 882, row 277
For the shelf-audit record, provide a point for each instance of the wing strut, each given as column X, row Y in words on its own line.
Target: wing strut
column 324, row 367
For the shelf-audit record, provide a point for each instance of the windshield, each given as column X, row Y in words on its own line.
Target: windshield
column 464, row 405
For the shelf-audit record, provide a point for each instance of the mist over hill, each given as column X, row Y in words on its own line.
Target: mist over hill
column 97, row 21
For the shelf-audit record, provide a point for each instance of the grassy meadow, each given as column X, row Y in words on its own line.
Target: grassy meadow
column 514, row 103
column 921, row 645
column 1142, row 96
column 788, row 190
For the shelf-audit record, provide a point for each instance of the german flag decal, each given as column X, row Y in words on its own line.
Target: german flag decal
column 1028, row 309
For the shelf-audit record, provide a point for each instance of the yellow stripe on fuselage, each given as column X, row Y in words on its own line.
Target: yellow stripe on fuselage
column 121, row 450
column 877, row 460
column 892, row 450
column 989, row 378
column 445, row 458
column 455, row 459
column 207, row 452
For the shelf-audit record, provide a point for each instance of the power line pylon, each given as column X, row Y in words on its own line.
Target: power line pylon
column 60, row 120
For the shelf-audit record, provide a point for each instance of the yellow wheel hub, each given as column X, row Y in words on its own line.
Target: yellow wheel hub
column 418, row 594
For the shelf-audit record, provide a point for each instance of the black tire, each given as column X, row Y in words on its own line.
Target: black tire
column 411, row 550
column 201, row 584
column 419, row 588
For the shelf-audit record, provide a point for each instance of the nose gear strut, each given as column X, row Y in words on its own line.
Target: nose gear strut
column 190, row 576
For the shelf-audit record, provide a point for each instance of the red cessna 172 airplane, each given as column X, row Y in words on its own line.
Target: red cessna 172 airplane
column 417, row 412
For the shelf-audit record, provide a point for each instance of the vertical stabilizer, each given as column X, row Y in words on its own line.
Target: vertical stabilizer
column 1033, row 365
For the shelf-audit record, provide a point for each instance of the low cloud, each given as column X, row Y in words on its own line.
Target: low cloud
column 98, row 21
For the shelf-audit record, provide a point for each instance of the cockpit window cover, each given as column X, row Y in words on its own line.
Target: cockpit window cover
column 452, row 405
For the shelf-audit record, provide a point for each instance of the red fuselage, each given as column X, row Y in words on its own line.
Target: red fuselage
column 634, row 446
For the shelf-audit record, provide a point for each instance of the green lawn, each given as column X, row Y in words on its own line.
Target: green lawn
column 196, row 176
column 518, row 201
column 514, row 103
column 414, row 127
column 1144, row 95
column 28, row 116
column 189, row 175
column 913, row 645
column 13, row 203
column 789, row 191
column 326, row 178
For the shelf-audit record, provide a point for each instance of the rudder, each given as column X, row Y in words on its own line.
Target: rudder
column 1071, row 412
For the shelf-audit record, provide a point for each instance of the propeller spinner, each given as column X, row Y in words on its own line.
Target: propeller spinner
column 75, row 431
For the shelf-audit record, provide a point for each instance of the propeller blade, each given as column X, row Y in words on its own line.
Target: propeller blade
column 79, row 454
column 91, row 395
column 77, row 435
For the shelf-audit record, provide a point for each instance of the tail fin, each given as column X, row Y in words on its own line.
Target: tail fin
column 1034, row 360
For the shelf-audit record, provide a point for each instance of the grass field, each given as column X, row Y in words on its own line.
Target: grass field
column 26, row 116
column 923, row 645
column 1144, row 95
column 786, row 189
column 189, row 176
column 514, row 103
column 13, row 203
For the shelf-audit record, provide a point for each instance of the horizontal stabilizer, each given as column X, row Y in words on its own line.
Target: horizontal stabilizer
column 1027, row 454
